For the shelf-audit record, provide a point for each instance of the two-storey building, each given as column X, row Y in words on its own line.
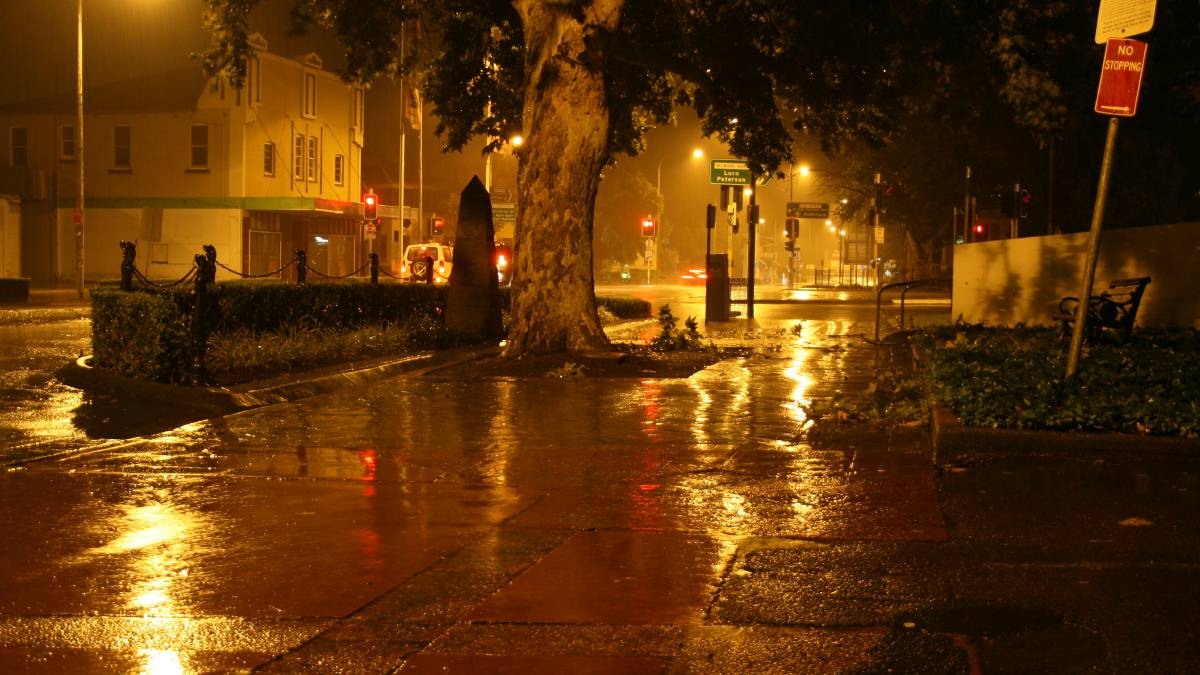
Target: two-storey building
column 174, row 161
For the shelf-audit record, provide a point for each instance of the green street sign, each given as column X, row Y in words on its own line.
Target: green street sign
column 728, row 172
column 808, row 210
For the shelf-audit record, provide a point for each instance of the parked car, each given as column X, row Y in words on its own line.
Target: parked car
column 502, row 257
column 693, row 276
column 428, row 263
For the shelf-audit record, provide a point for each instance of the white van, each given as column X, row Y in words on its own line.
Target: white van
column 427, row 262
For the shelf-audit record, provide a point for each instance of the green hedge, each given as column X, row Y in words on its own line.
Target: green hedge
column 145, row 334
column 625, row 308
column 267, row 306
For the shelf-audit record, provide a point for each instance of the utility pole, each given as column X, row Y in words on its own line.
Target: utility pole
column 968, row 234
column 78, row 215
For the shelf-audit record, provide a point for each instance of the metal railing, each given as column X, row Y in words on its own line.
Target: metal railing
column 907, row 286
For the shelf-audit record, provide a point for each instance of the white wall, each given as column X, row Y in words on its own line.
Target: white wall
column 164, row 253
column 1021, row 280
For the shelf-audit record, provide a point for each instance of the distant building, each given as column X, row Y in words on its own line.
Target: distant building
column 175, row 161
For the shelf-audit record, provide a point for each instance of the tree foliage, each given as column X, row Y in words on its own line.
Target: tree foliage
column 930, row 74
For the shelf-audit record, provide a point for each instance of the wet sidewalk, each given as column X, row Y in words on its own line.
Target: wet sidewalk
column 591, row 526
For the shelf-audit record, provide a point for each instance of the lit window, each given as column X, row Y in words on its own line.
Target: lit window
column 298, row 158
column 339, row 170
column 66, row 142
column 268, row 159
column 122, row 147
column 199, row 146
column 312, row 159
column 310, row 95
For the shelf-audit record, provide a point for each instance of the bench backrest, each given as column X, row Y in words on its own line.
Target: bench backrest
column 1126, row 294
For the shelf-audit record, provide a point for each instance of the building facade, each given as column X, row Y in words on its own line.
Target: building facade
column 175, row 161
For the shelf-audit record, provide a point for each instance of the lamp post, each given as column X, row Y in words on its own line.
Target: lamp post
column 77, row 216
column 697, row 153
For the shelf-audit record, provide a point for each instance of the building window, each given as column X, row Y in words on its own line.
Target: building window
column 310, row 95
column 199, row 146
column 66, row 142
column 122, row 147
column 268, row 159
column 339, row 170
column 18, row 146
column 298, row 158
column 313, row 153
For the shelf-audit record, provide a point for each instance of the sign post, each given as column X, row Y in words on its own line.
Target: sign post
column 1117, row 96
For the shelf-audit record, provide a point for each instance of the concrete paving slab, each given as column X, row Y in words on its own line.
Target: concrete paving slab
column 469, row 664
column 615, row 577
column 168, row 545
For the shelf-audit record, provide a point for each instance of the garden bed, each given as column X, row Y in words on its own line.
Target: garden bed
column 991, row 390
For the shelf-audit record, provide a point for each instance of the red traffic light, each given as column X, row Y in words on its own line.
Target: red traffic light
column 437, row 224
column 648, row 226
column 370, row 205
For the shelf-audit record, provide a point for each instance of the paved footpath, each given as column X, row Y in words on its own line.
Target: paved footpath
column 593, row 526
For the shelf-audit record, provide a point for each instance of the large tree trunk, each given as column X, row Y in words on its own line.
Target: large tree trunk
column 566, row 124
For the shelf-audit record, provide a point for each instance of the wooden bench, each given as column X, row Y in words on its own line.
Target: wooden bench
column 1115, row 308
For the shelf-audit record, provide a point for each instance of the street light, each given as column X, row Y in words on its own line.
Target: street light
column 697, row 153
column 77, row 217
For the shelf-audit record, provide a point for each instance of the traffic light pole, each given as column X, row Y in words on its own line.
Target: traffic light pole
column 752, row 223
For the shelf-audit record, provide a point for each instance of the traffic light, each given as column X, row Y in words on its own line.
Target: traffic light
column 752, row 216
column 882, row 192
column 437, row 225
column 370, row 205
column 980, row 231
column 710, row 216
column 648, row 226
column 792, row 228
column 1023, row 207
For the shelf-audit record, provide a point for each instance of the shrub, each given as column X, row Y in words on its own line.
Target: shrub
column 670, row 338
column 625, row 308
column 142, row 335
column 145, row 334
column 1013, row 378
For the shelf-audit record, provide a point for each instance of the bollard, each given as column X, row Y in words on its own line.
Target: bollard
column 301, row 265
column 128, row 256
column 206, row 272
column 210, row 252
column 374, row 267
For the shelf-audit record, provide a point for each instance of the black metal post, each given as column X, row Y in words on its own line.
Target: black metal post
column 206, row 272
column 374, row 267
column 128, row 256
column 301, row 265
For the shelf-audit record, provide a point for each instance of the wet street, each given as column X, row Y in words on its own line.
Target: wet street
column 432, row 524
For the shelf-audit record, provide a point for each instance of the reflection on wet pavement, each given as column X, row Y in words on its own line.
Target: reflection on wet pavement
column 321, row 509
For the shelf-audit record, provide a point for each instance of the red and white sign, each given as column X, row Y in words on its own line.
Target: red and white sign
column 1121, row 78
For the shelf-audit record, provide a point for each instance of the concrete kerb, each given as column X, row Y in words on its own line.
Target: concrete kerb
column 217, row 401
column 954, row 443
